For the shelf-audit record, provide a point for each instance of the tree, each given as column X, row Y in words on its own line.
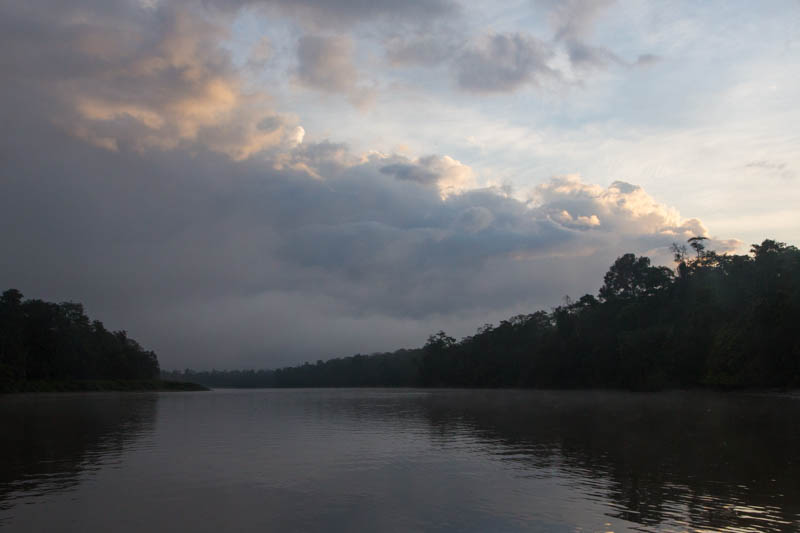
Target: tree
column 631, row 276
column 767, row 247
column 439, row 341
column 678, row 252
column 46, row 341
column 12, row 350
column 697, row 244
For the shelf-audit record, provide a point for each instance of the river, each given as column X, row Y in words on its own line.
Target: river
column 399, row 460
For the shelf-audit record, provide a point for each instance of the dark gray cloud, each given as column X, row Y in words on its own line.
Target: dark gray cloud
column 504, row 62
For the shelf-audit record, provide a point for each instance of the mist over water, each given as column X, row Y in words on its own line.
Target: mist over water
column 399, row 460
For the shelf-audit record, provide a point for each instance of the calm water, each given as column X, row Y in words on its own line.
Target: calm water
column 399, row 460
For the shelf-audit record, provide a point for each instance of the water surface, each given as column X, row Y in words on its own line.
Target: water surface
column 399, row 460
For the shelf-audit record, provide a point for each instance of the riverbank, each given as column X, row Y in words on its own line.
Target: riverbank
column 99, row 385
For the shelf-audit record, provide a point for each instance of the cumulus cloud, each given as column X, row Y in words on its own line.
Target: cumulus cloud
column 154, row 78
column 621, row 208
column 447, row 174
column 504, row 62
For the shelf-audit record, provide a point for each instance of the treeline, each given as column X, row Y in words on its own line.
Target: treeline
column 44, row 343
column 716, row 320
column 394, row 369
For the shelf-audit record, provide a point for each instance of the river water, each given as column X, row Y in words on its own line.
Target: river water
column 399, row 460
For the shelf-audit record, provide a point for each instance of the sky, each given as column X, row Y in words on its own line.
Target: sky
column 258, row 183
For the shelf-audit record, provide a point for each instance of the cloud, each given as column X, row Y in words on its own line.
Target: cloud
column 573, row 22
column 504, row 62
column 144, row 179
column 425, row 50
column 261, row 53
column 772, row 168
column 508, row 61
column 343, row 13
column 574, row 19
column 582, row 55
column 156, row 242
column 763, row 163
column 646, row 60
column 325, row 63
column 621, row 208
column 158, row 81
column 447, row 174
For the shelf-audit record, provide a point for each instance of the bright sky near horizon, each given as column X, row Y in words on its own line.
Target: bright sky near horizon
column 252, row 183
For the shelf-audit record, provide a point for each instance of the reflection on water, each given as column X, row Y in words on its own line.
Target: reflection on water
column 678, row 459
column 50, row 440
column 400, row 460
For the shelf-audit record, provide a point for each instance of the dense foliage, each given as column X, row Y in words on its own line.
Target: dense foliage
column 721, row 320
column 43, row 342
column 717, row 320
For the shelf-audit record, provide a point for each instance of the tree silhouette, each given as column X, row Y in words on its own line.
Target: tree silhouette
column 44, row 341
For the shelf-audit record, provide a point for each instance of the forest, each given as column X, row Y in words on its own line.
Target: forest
column 46, row 346
column 715, row 320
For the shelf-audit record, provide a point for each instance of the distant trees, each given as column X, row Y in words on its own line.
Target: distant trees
column 394, row 369
column 46, row 341
column 721, row 320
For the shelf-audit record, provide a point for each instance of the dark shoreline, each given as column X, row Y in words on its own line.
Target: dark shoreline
column 101, row 385
column 695, row 389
